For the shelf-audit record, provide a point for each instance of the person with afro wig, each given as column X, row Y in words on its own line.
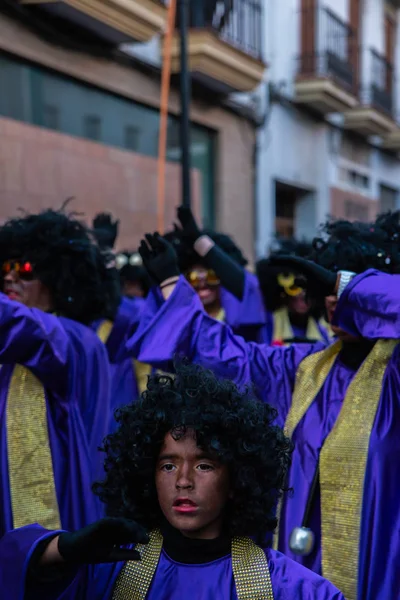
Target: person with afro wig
column 215, row 267
column 295, row 317
column 193, row 473
column 340, row 404
column 54, row 376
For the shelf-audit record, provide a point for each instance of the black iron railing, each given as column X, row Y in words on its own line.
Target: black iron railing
column 238, row 22
column 382, row 83
column 329, row 48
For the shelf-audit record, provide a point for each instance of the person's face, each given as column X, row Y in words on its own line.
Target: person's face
column 192, row 488
column 20, row 284
column 133, row 289
column 206, row 287
column 330, row 306
column 298, row 304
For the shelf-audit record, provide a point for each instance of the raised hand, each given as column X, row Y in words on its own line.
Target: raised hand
column 101, row 542
column 105, row 230
column 190, row 230
column 319, row 281
column 159, row 257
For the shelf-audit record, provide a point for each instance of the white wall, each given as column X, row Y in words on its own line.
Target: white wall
column 282, row 40
column 293, row 150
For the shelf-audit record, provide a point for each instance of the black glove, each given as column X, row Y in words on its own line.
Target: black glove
column 159, row 257
column 105, row 230
column 319, row 281
column 101, row 542
column 190, row 230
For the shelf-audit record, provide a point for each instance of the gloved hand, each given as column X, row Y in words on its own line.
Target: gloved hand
column 190, row 230
column 101, row 542
column 105, row 230
column 159, row 257
column 319, row 281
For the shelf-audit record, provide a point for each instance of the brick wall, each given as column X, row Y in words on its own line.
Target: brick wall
column 236, row 137
column 352, row 206
column 40, row 169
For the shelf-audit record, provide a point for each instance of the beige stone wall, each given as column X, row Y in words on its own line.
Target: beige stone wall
column 234, row 171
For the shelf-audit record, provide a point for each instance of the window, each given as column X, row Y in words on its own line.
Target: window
column 46, row 99
column 92, row 127
column 132, row 137
column 51, row 117
column 388, row 198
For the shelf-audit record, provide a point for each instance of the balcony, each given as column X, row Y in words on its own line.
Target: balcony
column 374, row 116
column 224, row 50
column 116, row 21
column 326, row 79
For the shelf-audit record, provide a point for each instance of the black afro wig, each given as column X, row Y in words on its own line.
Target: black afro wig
column 237, row 429
column 354, row 247
column 272, row 291
column 67, row 260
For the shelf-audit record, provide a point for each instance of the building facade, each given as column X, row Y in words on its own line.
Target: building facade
column 79, row 112
column 330, row 140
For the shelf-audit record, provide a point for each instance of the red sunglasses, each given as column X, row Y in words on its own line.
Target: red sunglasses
column 23, row 269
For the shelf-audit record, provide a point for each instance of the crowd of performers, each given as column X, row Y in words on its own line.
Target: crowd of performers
column 174, row 425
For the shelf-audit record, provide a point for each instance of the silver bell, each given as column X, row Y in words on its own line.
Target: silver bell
column 301, row 541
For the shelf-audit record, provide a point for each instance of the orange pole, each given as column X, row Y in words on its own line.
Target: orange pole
column 162, row 139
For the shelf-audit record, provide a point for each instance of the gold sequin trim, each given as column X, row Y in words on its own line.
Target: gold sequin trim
column 30, row 465
column 104, row 330
column 134, row 581
column 310, row 378
column 249, row 566
column 142, row 372
column 250, row 570
column 343, row 463
column 283, row 329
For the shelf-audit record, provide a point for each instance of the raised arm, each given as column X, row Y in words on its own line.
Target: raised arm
column 35, row 339
column 370, row 306
column 231, row 274
column 181, row 327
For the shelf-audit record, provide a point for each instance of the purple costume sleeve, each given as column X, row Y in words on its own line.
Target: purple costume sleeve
column 370, row 306
column 16, row 549
column 35, row 339
column 248, row 313
column 90, row 582
column 292, row 580
column 181, row 327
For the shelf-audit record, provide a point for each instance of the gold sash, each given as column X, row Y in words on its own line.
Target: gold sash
column 249, row 566
column 283, row 329
column 142, row 370
column 30, row 465
column 343, row 457
column 104, row 330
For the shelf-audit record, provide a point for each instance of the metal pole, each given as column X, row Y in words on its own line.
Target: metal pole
column 185, row 93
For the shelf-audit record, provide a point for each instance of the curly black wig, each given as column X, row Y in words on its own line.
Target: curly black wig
column 272, row 291
column 231, row 425
column 67, row 261
column 131, row 269
column 188, row 258
column 354, row 247
column 389, row 224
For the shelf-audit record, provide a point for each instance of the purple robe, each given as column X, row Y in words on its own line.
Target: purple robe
column 124, row 385
column 172, row 580
column 71, row 363
column 369, row 307
column 247, row 317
